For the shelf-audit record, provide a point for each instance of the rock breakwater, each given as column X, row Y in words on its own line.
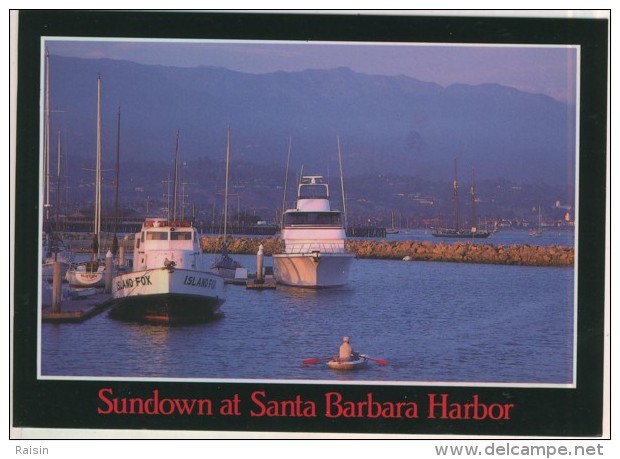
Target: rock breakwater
column 459, row 252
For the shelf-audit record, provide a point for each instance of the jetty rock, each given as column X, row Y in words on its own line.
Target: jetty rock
column 457, row 252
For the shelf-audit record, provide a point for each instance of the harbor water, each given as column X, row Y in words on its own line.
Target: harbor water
column 432, row 322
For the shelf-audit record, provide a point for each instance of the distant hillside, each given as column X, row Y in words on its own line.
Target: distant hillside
column 385, row 124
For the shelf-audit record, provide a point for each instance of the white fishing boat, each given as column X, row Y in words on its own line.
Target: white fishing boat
column 170, row 281
column 314, row 240
column 92, row 273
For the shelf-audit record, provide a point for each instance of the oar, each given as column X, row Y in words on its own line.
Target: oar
column 379, row 361
column 317, row 360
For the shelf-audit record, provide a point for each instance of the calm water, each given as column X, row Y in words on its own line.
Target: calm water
column 433, row 322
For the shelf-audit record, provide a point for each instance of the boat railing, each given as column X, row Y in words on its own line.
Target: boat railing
column 309, row 247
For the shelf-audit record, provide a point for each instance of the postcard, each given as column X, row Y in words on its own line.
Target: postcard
column 291, row 225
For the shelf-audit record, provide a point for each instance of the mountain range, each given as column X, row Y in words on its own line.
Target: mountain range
column 385, row 124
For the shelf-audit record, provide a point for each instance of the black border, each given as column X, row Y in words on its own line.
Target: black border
column 542, row 412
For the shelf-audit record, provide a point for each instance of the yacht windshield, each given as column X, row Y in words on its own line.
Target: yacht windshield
column 313, row 191
column 313, row 218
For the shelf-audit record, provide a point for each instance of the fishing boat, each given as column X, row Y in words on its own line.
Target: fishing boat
column 473, row 232
column 313, row 236
column 357, row 363
column 92, row 273
column 170, row 281
column 314, row 240
column 224, row 265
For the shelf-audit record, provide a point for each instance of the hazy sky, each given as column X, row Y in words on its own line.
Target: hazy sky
column 540, row 69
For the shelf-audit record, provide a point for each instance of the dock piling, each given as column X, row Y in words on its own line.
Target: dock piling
column 259, row 264
column 108, row 272
column 56, row 288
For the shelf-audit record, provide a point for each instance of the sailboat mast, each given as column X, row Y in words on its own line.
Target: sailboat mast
column 344, row 201
column 472, row 192
column 455, row 193
column 118, row 155
column 58, row 172
column 226, row 182
column 98, row 167
column 46, row 139
column 176, row 180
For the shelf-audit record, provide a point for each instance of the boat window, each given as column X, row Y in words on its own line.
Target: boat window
column 313, row 191
column 181, row 236
column 313, row 218
column 156, row 236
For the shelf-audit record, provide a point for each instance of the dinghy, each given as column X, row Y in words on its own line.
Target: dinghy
column 354, row 364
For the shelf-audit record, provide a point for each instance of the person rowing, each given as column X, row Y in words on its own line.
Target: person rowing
column 346, row 353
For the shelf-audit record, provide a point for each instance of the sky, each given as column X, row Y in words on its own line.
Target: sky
column 549, row 70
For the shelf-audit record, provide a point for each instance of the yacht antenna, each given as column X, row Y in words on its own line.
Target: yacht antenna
column 176, row 180
column 344, row 201
column 288, row 160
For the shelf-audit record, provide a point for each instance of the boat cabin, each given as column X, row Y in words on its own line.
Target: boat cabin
column 161, row 243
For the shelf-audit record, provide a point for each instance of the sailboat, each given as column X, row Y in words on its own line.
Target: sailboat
column 170, row 281
column 537, row 232
column 225, row 266
column 54, row 248
column 392, row 229
column 456, row 232
column 92, row 273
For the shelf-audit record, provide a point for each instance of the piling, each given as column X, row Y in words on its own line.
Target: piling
column 108, row 272
column 121, row 256
column 259, row 264
column 56, row 288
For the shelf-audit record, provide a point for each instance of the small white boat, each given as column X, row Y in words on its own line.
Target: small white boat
column 225, row 266
column 87, row 274
column 92, row 273
column 354, row 364
column 53, row 249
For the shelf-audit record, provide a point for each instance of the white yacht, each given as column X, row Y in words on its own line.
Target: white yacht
column 314, row 240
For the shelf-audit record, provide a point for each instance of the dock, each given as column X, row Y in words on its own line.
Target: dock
column 79, row 309
column 267, row 284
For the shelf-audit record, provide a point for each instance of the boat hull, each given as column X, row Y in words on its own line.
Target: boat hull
column 463, row 234
column 348, row 365
column 167, row 296
column 312, row 270
column 86, row 277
